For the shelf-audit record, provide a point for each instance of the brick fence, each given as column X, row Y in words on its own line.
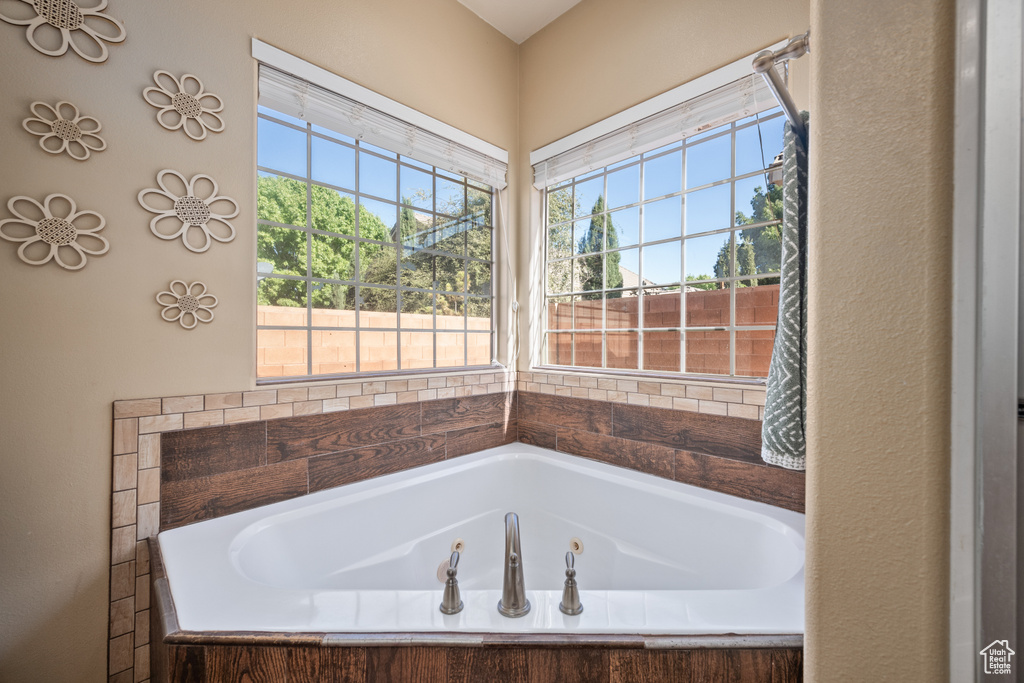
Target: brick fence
column 706, row 351
column 282, row 353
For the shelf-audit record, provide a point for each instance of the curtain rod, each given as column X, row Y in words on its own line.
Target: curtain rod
column 763, row 63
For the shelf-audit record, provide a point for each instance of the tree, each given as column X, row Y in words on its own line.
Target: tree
column 758, row 250
column 592, row 267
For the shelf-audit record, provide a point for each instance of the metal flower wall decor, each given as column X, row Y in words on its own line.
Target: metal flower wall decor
column 189, row 209
column 55, row 25
column 184, row 104
column 54, row 230
column 188, row 304
column 61, row 128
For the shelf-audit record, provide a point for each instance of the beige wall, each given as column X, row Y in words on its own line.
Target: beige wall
column 74, row 342
column 603, row 56
column 878, row 442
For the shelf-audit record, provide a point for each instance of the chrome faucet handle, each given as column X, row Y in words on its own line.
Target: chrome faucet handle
column 570, row 603
column 451, row 601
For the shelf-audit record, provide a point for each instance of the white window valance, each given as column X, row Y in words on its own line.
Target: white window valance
column 705, row 103
column 310, row 102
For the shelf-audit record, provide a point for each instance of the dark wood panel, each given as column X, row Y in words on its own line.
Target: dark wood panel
column 635, row 455
column 564, row 411
column 765, row 483
column 649, row 666
column 727, row 666
column 326, row 665
column 473, row 439
column 192, row 500
column 302, row 437
column 729, row 437
column 568, row 665
column 246, row 664
column 186, row 664
column 787, row 666
column 393, row 664
column 336, row 469
column 449, row 414
column 493, row 665
column 212, row 450
column 537, row 434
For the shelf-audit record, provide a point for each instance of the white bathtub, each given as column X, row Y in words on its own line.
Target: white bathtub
column 659, row 557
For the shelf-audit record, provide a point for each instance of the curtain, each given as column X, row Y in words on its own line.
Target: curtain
column 782, row 432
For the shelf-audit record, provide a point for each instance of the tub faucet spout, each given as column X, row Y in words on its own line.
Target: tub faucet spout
column 513, row 601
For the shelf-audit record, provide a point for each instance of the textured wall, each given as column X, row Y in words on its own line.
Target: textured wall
column 878, row 460
column 74, row 342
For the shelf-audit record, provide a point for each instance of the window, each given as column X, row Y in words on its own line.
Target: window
column 368, row 260
column 668, row 261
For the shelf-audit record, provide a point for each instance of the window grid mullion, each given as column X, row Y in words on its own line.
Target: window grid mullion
column 309, row 251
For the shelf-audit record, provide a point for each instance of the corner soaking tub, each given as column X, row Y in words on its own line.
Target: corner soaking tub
column 659, row 557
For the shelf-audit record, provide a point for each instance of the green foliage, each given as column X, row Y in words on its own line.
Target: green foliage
column 592, row 267
column 283, row 200
column 758, row 250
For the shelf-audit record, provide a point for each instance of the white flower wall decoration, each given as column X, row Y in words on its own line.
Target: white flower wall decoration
column 61, row 128
column 61, row 24
column 189, row 209
column 185, row 104
column 189, row 305
column 55, row 230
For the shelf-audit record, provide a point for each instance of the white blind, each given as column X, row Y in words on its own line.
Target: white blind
column 296, row 97
column 744, row 97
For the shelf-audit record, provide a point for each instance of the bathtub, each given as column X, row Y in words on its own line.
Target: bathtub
column 659, row 557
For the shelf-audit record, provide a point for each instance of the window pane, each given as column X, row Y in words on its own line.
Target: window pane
column 450, row 236
column 417, row 228
column 623, row 227
column 661, row 351
column 663, row 175
column 707, row 209
column 280, row 148
column 624, row 187
column 590, row 235
column 588, row 349
column 560, row 313
column 478, row 242
column 623, row 350
column 560, row 205
column 707, row 308
column 334, row 352
column 707, row 352
column 283, row 248
column 451, row 349
column 378, row 351
column 708, row 161
column 376, row 219
column 281, row 353
column 661, row 264
column 417, row 350
column 450, row 273
column 417, row 310
column 478, row 312
column 758, row 305
column 451, row 312
column 754, row 352
column 589, row 196
column 663, row 219
column 288, row 299
column 379, row 150
column 759, row 250
column 559, row 348
column 591, row 273
column 378, row 307
column 626, row 273
column 661, row 308
column 333, row 305
column 377, row 176
column 478, row 207
column 333, row 134
column 589, row 314
column 478, row 348
column 417, row 269
column 417, row 188
column 560, row 277
column 377, row 263
column 333, row 164
column 278, row 115
column 621, row 309
column 451, row 197
column 755, row 152
column 333, row 257
column 707, row 257
column 333, row 211
column 478, row 274
column 281, row 200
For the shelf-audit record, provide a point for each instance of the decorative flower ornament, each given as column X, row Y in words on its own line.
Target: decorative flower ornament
column 62, row 129
column 55, row 224
column 184, row 104
column 67, row 24
column 190, row 210
column 188, row 304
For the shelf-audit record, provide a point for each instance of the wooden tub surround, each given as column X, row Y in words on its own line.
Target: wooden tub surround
column 167, row 474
